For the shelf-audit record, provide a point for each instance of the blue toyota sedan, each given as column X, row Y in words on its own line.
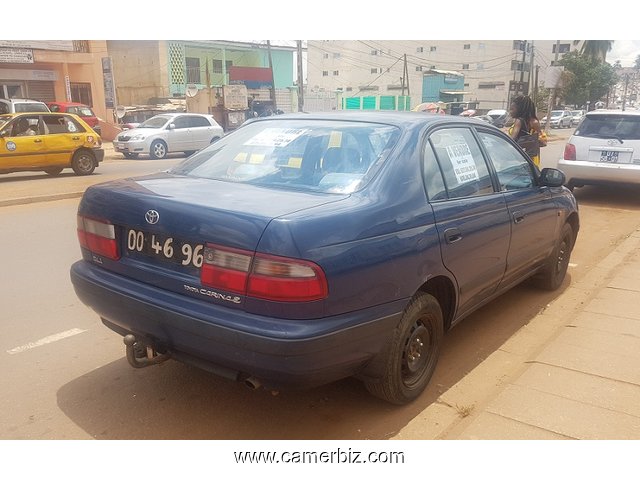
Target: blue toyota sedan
column 302, row 249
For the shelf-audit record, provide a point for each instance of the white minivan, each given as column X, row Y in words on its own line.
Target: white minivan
column 169, row 132
column 22, row 105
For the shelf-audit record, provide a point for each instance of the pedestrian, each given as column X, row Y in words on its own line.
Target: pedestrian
column 526, row 126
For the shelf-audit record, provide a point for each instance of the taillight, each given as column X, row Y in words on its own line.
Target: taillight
column 262, row 276
column 569, row 151
column 98, row 237
column 286, row 280
column 225, row 268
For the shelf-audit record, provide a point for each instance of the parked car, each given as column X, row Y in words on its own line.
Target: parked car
column 576, row 117
column 48, row 142
column 304, row 248
column 499, row 117
column 169, row 132
column 18, row 105
column 83, row 111
column 605, row 148
column 559, row 119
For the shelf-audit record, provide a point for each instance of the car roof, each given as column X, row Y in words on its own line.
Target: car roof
column 399, row 119
column 614, row 112
column 20, row 100
column 69, row 104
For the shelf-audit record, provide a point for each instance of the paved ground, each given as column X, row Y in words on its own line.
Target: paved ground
column 571, row 373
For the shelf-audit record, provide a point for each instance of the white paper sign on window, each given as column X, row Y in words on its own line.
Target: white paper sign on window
column 275, row 137
column 463, row 163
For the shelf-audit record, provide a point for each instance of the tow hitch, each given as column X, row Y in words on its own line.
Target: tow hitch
column 140, row 355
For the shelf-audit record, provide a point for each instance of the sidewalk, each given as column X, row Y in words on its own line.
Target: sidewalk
column 572, row 373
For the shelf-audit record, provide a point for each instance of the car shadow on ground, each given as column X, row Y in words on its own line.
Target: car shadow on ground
column 34, row 176
column 609, row 196
column 177, row 401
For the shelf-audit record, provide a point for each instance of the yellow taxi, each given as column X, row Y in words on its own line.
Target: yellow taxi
column 49, row 142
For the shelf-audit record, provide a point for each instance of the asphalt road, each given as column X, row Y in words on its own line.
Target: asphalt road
column 64, row 375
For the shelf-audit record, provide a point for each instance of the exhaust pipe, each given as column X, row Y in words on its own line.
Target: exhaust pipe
column 253, row 383
column 140, row 355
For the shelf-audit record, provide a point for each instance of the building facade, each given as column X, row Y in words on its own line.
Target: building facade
column 54, row 70
column 485, row 74
column 145, row 70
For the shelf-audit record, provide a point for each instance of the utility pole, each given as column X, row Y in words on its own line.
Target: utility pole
column 273, row 82
column 552, row 93
column 530, row 69
column 535, row 86
column 300, row 78
column 624, row 95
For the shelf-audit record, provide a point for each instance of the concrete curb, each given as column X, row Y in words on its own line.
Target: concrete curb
column 464, row 402
column 41, row 198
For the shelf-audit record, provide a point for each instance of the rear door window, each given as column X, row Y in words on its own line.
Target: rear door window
column 463, row 167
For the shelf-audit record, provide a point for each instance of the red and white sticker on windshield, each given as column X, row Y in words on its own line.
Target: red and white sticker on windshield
column 275, row 137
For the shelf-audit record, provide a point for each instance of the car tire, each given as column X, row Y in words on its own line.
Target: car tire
column 553, row 273
column 410, row 357
column 215, row 139
column 83, row 162
column 158, row 150
column 53, row 171
column 131, row 155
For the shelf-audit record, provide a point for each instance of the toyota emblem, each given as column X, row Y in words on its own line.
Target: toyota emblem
column 152, row 217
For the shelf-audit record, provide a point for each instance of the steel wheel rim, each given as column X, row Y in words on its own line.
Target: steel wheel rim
column 563, row 257
column 416, row 354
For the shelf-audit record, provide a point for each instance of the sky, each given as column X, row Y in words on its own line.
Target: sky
column 624, row 50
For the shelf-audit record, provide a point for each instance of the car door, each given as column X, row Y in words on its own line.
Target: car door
column 201, row 132
column 20, row 150
column 63, row 136
column 471, row 216
column 533, row 212
column 178, row 138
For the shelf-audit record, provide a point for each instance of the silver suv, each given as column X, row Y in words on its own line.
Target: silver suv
column 605, row 148
column 21, row 105
column 169, row 132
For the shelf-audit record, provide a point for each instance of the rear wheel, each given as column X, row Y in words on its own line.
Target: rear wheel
column 53, row 171
column 411, row 356
column 553, row 273
column 158, row 149
column 83, row 162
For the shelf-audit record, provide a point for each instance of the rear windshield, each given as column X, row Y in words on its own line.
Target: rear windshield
column 155, row 122
column 30, row 107
column 622, row 127
column 314, row 155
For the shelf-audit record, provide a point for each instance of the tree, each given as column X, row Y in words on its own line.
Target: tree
column 595, row 49
column 588, row 80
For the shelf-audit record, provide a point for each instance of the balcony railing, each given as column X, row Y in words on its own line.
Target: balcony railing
column 81, row 46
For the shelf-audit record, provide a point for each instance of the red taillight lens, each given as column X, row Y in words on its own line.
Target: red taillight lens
column 225, row 268
column 569, row 152
column 98, row 237
column 262, row 276
column 286, row 280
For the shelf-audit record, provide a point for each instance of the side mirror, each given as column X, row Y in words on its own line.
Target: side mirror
column 552, row 177
column 171, row 126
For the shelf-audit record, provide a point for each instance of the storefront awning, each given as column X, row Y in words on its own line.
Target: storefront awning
column 454, row 92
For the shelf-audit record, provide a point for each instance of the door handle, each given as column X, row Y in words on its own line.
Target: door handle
column 37, row 140
column 452, row 235
column 518, row 217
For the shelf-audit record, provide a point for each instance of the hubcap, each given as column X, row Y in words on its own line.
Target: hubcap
column 159, row 150
column 85, row 162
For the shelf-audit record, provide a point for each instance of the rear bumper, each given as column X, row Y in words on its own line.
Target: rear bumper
column 280, row 353
column 581, row 172
column 99, row 154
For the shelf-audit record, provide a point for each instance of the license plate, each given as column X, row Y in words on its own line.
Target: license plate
column 165, row 248
column 609, row 157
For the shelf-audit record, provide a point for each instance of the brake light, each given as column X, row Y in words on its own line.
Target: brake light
column 569, row 152
column 262, row 276
column 98, row 237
